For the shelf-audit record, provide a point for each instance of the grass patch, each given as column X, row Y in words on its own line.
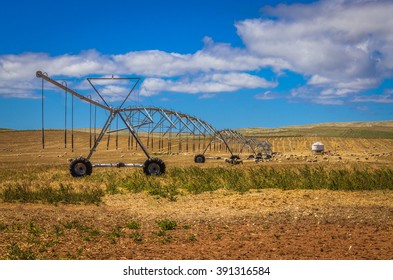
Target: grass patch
column 197, row 180
column 191, row 237
column 26, row 192
column 59, row 188
column 167, row 224
column 116, row 232
column 137, row 237
column 34, row 229
column 133, row 225
column 17, row 253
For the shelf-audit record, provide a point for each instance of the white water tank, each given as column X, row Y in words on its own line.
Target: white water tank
column 317, row 147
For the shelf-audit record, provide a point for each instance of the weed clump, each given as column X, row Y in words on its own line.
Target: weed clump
column 167, row 224
column 133, row 225
column 15, row 252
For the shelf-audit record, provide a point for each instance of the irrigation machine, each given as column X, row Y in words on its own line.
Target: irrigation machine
column 236, row 144
column 156, row 129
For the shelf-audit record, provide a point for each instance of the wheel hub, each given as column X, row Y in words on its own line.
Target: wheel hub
column 154, row 168
column 80, row 169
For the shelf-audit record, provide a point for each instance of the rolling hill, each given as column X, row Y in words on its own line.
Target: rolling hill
column 381, row 129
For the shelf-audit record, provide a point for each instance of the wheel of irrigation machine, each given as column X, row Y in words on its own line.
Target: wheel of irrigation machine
column 235, row 159
column 199, row 158
column 80, row 167
column 154, row 166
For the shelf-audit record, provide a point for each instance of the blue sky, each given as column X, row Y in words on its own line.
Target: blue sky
column 232, row 63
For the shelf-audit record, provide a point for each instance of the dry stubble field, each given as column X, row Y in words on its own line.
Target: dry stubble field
column 264, row 223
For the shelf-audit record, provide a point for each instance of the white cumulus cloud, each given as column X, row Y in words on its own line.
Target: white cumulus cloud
column 215, row 68
column 341, row 45
column 206, row 83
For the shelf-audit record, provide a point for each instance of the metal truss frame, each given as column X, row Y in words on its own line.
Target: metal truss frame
column 234, row 140
column 82, row 166
column 153, row 122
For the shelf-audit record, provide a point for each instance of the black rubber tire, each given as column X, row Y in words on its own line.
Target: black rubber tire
column 154, row 166
column 200, row 158
column 235, row 159
column 80, row 167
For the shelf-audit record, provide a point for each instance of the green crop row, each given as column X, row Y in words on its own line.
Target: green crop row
column 196, row 180
column 59, row 187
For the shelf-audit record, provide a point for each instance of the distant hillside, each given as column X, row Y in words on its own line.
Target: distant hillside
column 382, row 129
column 5, row 129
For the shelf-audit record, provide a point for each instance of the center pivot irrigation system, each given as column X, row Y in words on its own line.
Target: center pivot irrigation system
column 159, row 130
column 236, row 142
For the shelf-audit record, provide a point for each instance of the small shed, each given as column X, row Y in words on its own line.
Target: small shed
column 318, row 148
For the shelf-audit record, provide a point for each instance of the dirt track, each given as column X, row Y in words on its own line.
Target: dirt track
column 271, row 224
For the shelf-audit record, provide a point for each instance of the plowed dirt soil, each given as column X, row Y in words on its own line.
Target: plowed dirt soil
column 269, row 224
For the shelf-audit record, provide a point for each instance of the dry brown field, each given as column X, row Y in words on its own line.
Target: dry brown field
column 222, row 224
